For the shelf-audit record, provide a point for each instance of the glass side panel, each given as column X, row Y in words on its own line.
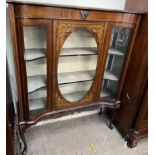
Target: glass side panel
column 77, row 65
column 36, row 69
column 114, row 63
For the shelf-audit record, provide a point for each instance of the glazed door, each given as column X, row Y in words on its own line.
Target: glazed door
column 119, row 40
column 78, row 54
column 34, row 50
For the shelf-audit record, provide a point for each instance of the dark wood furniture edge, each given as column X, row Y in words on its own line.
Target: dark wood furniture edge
column 74, row 7
column 15, row 54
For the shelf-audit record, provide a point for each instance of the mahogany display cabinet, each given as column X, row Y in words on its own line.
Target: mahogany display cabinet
column 69, row 59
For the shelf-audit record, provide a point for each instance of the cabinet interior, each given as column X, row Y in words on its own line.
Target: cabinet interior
column 36, row 67
column 77, row 64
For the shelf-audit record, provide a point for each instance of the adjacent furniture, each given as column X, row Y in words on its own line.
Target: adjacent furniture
column 138, row 5
column 132, row 116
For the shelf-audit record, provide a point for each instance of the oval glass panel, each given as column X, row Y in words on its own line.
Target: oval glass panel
column 77, row 65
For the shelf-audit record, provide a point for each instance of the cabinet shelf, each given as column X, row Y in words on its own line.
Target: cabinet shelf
column 36, row 104
column 105, row 93
column 72, row 97
column 114, row 51
column 87, row 51
column 79, row 51
column 36, row 82
column 79, row 76
column 110, row 76
column 76, row 95
column 33, row 54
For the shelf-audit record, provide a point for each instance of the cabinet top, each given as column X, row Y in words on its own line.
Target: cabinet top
column 101, row 5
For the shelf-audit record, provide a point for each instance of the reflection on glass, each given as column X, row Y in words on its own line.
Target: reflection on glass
column 35, row 60
column 77, row 65
column 114, row 63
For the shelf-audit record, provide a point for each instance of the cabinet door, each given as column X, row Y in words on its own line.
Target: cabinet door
column 34, row 49
column 78, row 53
column 118, row 48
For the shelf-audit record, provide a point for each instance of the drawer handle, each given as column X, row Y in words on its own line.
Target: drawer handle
column 84, row 14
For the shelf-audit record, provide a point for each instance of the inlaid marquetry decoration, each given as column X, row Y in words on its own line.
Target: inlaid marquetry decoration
column 78, row 46
column 64, row 29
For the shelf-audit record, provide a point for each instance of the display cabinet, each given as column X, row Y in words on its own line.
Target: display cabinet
column 69, row 59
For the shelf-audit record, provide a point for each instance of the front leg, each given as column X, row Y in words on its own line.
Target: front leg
column 22, row 136
column 101, row 111
column 114, row 113
column 112, row 118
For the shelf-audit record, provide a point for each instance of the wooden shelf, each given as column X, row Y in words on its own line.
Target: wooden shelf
column 105, row 93
column 75, row 76
column 87, row 51
column 110, row 76
column 36, row 104
column 32, row 54
column 36, row 82
column 114, row 51
column 78, row 51
column 79, row 76
column 75, row 87
column 73, row 97
column 41, row 93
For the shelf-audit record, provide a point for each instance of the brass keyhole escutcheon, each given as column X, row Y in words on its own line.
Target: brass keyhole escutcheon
column 84, row 14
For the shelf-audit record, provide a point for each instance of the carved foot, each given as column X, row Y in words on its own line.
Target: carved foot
column 131, row 138
column 131, row 144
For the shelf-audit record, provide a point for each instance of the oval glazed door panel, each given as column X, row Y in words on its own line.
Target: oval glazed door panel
column 77, row 61
column 77, row 65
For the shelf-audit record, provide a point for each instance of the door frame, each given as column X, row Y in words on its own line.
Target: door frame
column 111, row 25
column 20, row 39
column 62, row 29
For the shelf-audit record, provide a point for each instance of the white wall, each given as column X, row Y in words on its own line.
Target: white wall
column 104, row 4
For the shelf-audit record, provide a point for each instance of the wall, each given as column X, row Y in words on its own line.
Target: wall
column 103, row 4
